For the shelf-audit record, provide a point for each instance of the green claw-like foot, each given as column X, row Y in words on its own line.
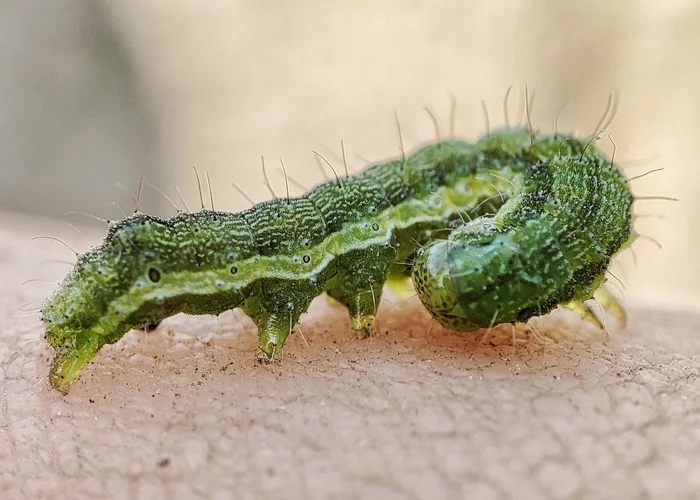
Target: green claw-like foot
column 611, row 304
column 276, row 310
column 362, row 307
column 363, row 324
column 273, row 330
column 586, row 313
column 607, row 301
column 358, row 285
column 361, row 311
column 271, row 339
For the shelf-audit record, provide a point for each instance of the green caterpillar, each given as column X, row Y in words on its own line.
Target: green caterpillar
column 547, row 214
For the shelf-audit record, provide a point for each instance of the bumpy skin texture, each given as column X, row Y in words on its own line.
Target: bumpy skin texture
column 348, row 236
column 550, row 244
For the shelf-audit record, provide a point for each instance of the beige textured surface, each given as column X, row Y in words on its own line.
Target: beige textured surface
column 416, row 412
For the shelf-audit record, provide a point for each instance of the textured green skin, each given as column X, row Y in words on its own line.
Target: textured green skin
column 549, row 244
column 345, row 238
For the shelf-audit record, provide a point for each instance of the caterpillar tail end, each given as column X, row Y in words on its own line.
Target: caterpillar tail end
column 70, row 360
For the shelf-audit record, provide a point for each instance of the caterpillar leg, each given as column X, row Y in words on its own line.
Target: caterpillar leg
column 275, row 310
column 586, row 313
column 607, row 301
column 362, row 306
column 358, row 284
column 611, row 304
column 273, row 329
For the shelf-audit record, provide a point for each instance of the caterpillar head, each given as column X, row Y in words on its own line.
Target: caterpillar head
column 458, row 280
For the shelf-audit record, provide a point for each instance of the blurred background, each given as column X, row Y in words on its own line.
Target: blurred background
column 95, row 94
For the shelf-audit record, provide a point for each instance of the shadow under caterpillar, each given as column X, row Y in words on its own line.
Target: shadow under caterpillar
column 547, row 213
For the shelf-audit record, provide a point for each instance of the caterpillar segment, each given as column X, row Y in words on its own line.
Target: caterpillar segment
column 549, row 244
column 492, row 232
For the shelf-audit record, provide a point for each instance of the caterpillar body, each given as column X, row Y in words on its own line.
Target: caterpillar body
column 546, row 214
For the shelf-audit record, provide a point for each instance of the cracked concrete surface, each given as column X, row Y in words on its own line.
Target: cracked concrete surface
column 415, row 412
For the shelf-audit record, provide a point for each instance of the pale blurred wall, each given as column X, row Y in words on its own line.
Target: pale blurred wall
column 72, row 124
column 224, row 82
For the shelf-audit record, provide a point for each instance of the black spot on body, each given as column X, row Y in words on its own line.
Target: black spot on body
column 154, row 275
